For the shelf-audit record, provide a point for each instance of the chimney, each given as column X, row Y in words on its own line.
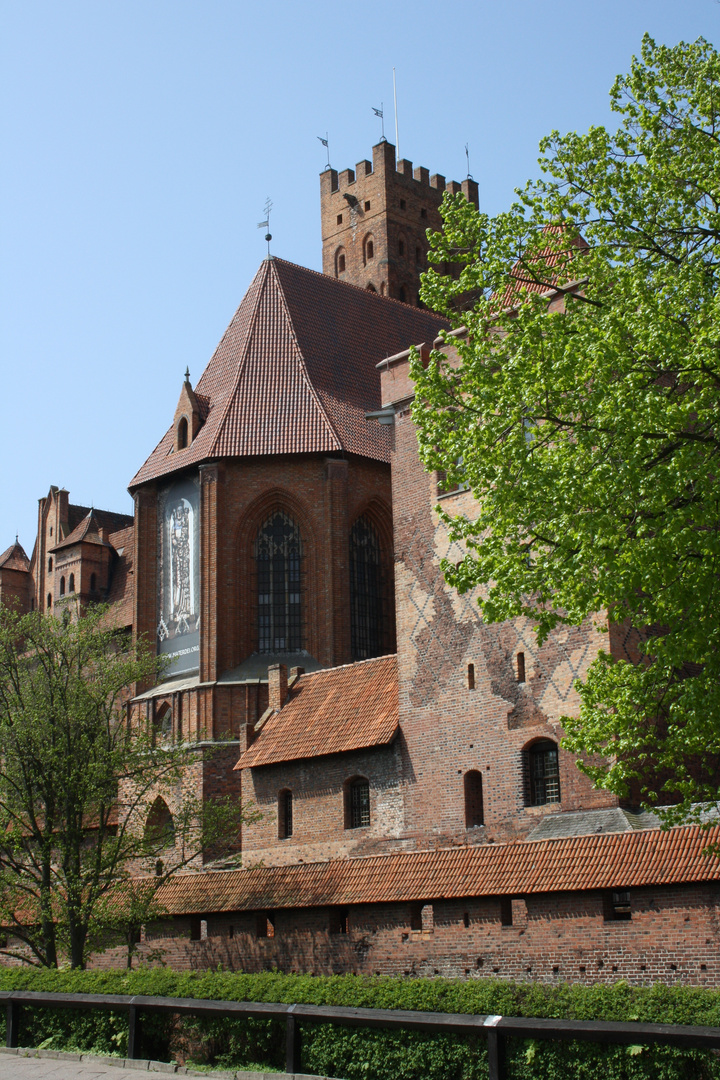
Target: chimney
column 277, row 686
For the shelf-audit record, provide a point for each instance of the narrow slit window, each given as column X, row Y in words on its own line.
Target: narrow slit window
column 285, row 814
column 471, row 676
column 521, row 667
column 62, row 586
column 506, row 918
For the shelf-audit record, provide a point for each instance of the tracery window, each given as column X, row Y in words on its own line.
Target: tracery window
column 543, row 773
column 365, row 591
column 278, row 552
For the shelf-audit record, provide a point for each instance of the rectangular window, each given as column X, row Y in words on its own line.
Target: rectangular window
column 198, row 928
column 617, row 906
column 338, row 920
column 359, row 805
column 506, row 911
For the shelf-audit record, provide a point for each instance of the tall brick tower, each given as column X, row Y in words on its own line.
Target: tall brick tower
column 375, row 218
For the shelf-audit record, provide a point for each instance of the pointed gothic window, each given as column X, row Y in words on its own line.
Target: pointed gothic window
column 542, row 773
column 182, row 434
column 365, row 591
column 278, row 552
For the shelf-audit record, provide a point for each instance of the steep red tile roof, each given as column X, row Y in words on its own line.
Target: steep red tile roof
column 120, row 595
column 578, row 863
column 14, row 558
column 88, row 529
column 539, row 273
column 345, row 708
column 295, row 371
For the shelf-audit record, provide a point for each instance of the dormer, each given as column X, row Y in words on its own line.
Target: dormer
column 15, row 583
column 188, row 416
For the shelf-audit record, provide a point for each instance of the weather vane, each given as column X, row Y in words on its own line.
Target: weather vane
column 266, row 223
column 467, row 158
column 381, row 113
column 326, row 144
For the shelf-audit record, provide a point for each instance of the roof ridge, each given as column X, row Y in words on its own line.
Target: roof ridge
column 352, row 664
column 242, row 362
column 303, row 364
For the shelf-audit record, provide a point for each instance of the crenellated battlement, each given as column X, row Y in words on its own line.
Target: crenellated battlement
column 375, row 220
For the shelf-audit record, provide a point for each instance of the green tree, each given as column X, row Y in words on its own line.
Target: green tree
column 81, row 855
column 588, row 430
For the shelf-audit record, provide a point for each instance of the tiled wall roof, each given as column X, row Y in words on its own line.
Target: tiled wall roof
column 295, row 371
column 345, row 708
column 621, row 860
column 14, row 558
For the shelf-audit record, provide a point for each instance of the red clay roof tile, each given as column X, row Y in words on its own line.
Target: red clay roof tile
column 328, row 712
column 295, row 371
column 14, row 558
column 619, row 860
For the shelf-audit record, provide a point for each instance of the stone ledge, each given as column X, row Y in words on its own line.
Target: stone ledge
column 143, row 1065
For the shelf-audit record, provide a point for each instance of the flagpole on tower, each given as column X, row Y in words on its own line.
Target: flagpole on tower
column 326, row 144
column 397, row 137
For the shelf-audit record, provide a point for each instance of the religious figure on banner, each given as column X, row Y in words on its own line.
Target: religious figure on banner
column 181, row 581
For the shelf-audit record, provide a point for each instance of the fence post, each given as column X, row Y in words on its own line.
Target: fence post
column 495, row 1049
column 13, row 1024
column 292, row 1043
column 133, row 1048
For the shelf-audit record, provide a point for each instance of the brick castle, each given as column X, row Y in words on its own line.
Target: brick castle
column 419, row 815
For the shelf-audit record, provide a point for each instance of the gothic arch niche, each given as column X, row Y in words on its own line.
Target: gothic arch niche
column 372, row 587
column 368, row 249
column 160, row 827
column 340, row 261
column 245, row 630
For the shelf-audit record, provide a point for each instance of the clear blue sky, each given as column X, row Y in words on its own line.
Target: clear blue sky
column 140, row 138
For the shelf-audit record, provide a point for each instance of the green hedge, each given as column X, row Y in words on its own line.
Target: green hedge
column 356, row 1054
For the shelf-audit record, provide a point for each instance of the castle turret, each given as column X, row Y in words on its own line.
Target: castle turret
column 375, row 219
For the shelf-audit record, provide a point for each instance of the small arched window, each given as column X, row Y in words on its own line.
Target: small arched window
column 365, row 591
column 62, row 586
column 182, row 434
column 93, row 582
column 339, row 261
column 71, row 583
column 285, row 814
column 49, row 563
column 357, row 803
column 164, row 722
column 542, row 773
column 368, row 250
column 160, row 827
column 474, row 815
column 278, row 552
column 49, row 600
column 402, row 294
column 370, row 287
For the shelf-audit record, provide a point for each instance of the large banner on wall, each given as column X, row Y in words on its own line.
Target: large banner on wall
column 178, row 627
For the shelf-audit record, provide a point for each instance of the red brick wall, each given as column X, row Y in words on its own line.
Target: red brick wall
column 672, row 937
column 451, row 729
column 317, row 785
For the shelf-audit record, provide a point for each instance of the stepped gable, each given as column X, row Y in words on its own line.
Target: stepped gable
column 328, row 712
column 88, row 529
column 579, row 863
column 295, row 372
column 14, row 558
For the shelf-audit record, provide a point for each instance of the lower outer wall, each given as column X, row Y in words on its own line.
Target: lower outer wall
column 672, row 937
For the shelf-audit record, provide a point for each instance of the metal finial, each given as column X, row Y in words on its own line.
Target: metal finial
column 266, row 223
column 326, row 144
column 467, row 158
column 187, row 374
